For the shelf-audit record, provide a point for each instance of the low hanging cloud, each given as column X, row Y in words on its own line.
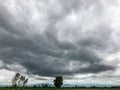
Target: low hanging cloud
column 58, row 37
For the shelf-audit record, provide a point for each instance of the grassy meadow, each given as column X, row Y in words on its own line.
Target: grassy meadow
column 63, row 89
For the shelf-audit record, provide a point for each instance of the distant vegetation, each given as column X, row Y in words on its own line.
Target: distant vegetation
column 31, row 88
column 19, row 82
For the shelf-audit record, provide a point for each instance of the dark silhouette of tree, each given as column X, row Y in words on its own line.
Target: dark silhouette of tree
column 76, row 86
column 19, row 81
column 15, row 80
column 58, row 81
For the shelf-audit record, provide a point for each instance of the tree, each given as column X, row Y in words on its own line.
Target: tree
column 58, row 81
column 15, row 80
column 19, row 81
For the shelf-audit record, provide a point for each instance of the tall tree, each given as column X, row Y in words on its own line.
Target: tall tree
column 19, row 81
column 15, row 80
column 58, row 81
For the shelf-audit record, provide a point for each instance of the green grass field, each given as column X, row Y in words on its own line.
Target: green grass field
column 63, row 89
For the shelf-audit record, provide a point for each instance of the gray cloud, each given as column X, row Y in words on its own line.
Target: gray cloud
column 45, row 46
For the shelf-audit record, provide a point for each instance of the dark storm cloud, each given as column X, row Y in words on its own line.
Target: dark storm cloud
column 44, row 54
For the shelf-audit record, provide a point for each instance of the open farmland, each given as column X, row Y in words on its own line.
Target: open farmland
column 64, row 89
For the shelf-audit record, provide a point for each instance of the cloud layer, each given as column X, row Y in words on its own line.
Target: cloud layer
column 59, row 37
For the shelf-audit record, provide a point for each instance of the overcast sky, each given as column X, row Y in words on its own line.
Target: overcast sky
column 78, row 39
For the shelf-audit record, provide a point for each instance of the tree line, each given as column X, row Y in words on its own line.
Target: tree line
column 19, row 81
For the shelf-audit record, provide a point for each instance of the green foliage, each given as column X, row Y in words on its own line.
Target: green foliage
column 58, row 81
